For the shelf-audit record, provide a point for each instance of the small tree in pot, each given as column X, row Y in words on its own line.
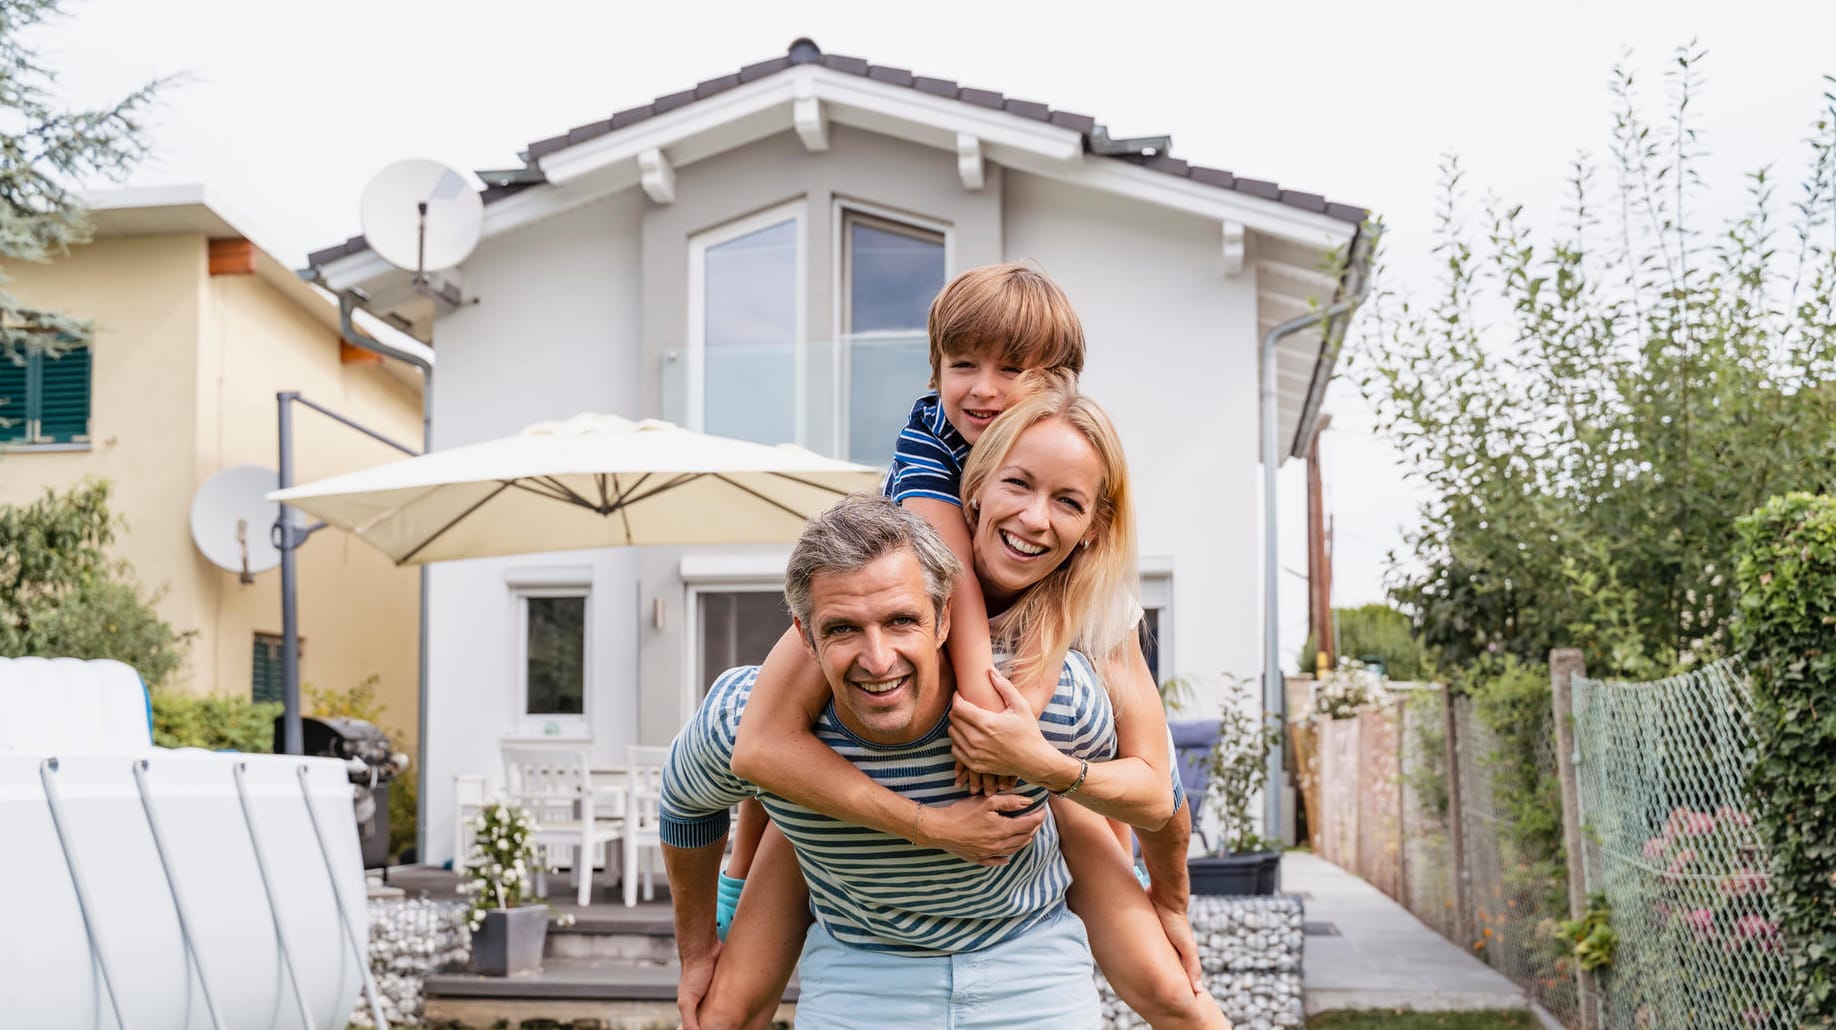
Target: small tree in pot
column 1244, row 862
column 508, row 930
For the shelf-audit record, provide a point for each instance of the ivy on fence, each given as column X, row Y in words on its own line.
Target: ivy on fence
column 1786, row 628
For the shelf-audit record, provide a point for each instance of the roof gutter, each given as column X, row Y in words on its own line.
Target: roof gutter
column 349, row 300
column 1334, row 317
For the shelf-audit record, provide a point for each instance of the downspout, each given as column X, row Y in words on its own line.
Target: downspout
column 1334, row 317
column 348, row 302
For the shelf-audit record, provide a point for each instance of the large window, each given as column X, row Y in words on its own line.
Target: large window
column 44, row 399
column 552, row 661
column 747, row 308
column 736, row 627
column 891, row 271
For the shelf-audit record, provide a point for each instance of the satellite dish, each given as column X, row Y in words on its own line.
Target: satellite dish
column 421, row 215
column 232, row 520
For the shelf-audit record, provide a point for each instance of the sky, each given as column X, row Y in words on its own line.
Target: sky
column 287, row 108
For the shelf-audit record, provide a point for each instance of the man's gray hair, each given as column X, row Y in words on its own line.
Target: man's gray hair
column 854, row 534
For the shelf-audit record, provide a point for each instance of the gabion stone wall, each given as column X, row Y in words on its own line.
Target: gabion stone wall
column 410, row 938
column 1250, row 948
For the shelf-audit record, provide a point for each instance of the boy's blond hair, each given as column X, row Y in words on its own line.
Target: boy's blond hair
column 1011, row 312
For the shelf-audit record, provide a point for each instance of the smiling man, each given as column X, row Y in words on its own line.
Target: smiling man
column 905, row 935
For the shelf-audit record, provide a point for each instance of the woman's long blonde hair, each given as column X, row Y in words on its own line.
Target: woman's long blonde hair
column 1089, row 600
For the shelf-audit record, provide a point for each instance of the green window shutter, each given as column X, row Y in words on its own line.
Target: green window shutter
column 63, row 396
column 12, row 400
column 267, row 680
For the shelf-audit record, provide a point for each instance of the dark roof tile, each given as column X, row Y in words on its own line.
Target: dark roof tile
column 896, row 76
column 763, row 68
column 1213, row 177
column 1169, row 165
column 935, row 87
column 851, row 65
column 542, row 147
column 1029, row 109
column 709, row 87
column 582, row 133
column 1347, row 213
column 632, row 115
column 1078, row 122
column 982, row 98
column 1258, row 188
column 673, row 101
column 1305, row 201
column 336, row 251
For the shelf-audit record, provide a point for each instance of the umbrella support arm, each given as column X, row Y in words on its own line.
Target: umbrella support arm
column 288, row 538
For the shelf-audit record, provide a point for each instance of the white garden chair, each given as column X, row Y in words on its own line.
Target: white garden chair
column 471, row 793
column 643, row 800
column 555, row 785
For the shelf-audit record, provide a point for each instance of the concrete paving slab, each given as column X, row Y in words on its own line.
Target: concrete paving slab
column 1382, row 956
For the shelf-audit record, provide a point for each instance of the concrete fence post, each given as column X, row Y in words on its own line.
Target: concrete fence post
column 1565, row 663
column 1456, row 823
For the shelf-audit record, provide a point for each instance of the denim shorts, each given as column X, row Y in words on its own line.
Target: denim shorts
column 1042, row 978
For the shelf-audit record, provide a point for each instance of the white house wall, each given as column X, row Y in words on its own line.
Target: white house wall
column 1172, row 358
column 555, row 333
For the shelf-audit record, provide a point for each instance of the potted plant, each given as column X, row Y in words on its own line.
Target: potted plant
column 508, row 931
column 1243, row 862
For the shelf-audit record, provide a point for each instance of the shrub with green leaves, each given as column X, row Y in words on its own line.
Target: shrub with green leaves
column 1372, row 631
column 61, row 595
column 213, row 722
column 1786, row 632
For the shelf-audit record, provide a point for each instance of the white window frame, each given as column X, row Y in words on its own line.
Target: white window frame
column 1157, row 593
column 549, row 582
column 843, row 211
column 719, row 573
column 795, row 211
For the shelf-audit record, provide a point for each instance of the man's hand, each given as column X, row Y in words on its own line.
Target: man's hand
column 697, row 975
column 1179, row 931
column 976, row 830
column 1005, row 742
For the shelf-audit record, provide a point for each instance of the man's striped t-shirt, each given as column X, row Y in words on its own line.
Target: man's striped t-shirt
column 873, row 890
column 928, row 457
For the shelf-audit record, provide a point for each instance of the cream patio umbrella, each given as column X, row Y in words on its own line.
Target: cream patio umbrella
column 591, row 481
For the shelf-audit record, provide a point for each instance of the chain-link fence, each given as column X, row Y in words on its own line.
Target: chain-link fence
column 1670, row 841
column 1465, row 835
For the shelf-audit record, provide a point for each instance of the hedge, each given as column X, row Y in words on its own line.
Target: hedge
column 1785, row 629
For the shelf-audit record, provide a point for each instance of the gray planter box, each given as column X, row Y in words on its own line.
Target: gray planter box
column 510, row 941
column 1258, row 872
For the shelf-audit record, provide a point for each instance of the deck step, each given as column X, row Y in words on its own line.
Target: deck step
column 614, row 991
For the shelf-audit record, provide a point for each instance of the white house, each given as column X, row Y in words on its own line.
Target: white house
column 772, row 237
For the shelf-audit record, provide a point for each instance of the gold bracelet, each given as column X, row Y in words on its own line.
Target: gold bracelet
column 1083, row 769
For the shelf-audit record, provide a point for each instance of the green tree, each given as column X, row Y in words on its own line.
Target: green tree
column 46, row 150
column 1591, row 413
column 1372, row 631
column 62, row 595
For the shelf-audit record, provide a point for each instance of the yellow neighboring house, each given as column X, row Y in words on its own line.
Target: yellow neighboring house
column 196, row 329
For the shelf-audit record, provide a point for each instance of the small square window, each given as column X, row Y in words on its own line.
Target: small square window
column 267, row 672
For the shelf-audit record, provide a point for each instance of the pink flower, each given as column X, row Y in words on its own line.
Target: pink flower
column 1754, row 1017
column 1677, row 865
column 1654, row 848
column 1733, row 816
column 1755, row 926
column 1685, row 822
column 1743, row 881
column 1702, row 919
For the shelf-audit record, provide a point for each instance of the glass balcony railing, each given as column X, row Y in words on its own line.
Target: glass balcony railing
column 846, row 397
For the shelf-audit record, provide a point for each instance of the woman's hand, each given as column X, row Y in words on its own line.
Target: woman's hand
column 983, row 830
column 1007, row 742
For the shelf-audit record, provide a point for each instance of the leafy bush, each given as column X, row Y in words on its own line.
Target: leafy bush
column 1372, row 631
column 1786, row 631
column 212, row 722
column 1512, row 700
column 1589, row 408
column 1235, row 767
column 62, row 595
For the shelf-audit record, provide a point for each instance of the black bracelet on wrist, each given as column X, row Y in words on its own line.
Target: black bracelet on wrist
column 1083, row 769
